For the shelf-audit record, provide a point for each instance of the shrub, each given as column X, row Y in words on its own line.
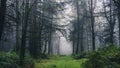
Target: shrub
column 104, row 58
column 8, row 60
column 80, row 56
column 28, row 61
column 44, row 56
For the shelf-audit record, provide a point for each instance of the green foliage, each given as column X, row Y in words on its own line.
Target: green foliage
column 95, row 61
column 80, row 56
column 11, row 60
column 104, row 58
column 44, row 56
column 8, row 60
column 28, row 59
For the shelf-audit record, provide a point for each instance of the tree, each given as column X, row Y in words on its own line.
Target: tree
column 117, row 4
column 27, row 9
column 92, row 24
column 110, row 19
column 2, row 15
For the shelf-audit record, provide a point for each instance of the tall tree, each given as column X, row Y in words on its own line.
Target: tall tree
column 92, row 24
column 25, row 19
column 18, row 23
column 117, row 4
column 110, row 19
column 2, row 16
column 78, row 26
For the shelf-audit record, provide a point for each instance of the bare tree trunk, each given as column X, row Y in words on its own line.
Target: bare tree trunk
column 119, row 25
column 111, row 24
column 40, row 37
column 45, row 48
column 78, row 28
column 117, row 4
column 81, row 35
column 24, row 32
column 17, row 46
column 92, row 24
column 2, row 16
column 50, row 39
column 73, row 41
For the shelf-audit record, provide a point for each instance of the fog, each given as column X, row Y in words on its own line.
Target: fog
column 65, row 46
column 61, row 45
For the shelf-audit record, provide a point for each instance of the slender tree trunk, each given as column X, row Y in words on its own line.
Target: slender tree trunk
column 73, row 41
column 110, row 23
column 24, row 32
column 82, row 32
column 40, row 38
column 78, row 28
column 118, row 9
column 45, row 48
column 17, row 28
column 119, row 25
column 2, row 16
column 23, row 44
column 50, row 39
column 117, row 4
column 92, row 24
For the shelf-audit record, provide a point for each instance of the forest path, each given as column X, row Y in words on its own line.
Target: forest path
column 60, row 62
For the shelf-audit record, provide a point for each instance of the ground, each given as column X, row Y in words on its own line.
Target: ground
column 60, row 62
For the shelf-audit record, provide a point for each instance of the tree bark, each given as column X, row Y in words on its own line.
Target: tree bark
column 92, row 24
column 119, row 25
column 2, row 16
column 78, row 28
column 17, row 46
column 24, row 32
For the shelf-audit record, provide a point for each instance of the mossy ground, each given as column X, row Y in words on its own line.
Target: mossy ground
column 60, row 62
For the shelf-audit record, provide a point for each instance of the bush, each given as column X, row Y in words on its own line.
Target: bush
column 96, row 60
column 80, row 56
column 44, row 56
column 28, row 61
column 104, row 58
column 9, row 60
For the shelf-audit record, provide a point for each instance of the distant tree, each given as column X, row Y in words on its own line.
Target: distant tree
column 18, row 23
column 111, row 20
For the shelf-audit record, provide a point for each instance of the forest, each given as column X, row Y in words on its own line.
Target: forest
column 59, row 33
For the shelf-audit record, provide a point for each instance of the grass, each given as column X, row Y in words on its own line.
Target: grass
column 60, row 62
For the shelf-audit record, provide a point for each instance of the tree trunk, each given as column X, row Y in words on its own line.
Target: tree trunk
column 2, row 16
column 73, row 41
column 78, row 28
column 119, row 25
column 24, row 32
column 45, row 48
column 92, row 24
column 50, row 39
column 82, row 32
column 17, row 46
